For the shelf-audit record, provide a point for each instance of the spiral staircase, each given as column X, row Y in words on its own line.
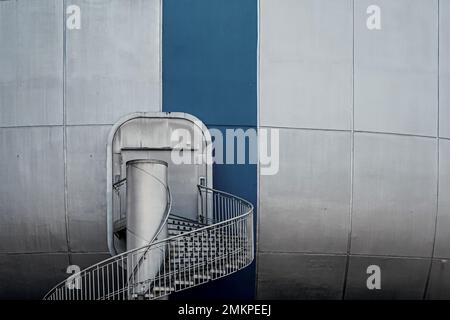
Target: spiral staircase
column 195, row 252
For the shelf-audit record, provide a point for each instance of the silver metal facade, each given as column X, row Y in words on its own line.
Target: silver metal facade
column 364, row 119
column 61, row 91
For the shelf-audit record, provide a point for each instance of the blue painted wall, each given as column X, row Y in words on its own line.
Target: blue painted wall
column 210, row 71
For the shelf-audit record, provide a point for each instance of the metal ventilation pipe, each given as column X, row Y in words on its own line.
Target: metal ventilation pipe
column 148, row 200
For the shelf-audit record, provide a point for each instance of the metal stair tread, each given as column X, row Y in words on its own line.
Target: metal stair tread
column 186, row 260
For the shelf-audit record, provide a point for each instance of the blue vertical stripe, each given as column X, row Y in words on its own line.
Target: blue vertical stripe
column 210, row 71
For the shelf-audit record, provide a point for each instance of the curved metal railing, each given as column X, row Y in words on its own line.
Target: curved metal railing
column 217, row 248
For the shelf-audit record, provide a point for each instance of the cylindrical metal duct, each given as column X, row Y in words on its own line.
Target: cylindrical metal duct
column 147, row 201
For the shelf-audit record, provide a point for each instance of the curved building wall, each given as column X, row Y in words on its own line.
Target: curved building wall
column 364, row 146
column 60, row 92
column 363, row 116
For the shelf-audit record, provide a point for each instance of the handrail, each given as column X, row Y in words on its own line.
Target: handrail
column 232, row 233
column 163, row 222
column 166, row 210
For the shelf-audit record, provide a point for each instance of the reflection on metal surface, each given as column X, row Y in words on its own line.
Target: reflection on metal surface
column 383, row 63
column 86, row 180
column 32, row 193
column 317, row 169
column 394, row 197
column 333, row 77
column 306, row 64
column 55, row 81
column 31, row 77
column 113, row 63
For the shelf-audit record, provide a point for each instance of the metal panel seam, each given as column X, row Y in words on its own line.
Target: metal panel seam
column 427, row 283
column 66, row 206
column 352, row 158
